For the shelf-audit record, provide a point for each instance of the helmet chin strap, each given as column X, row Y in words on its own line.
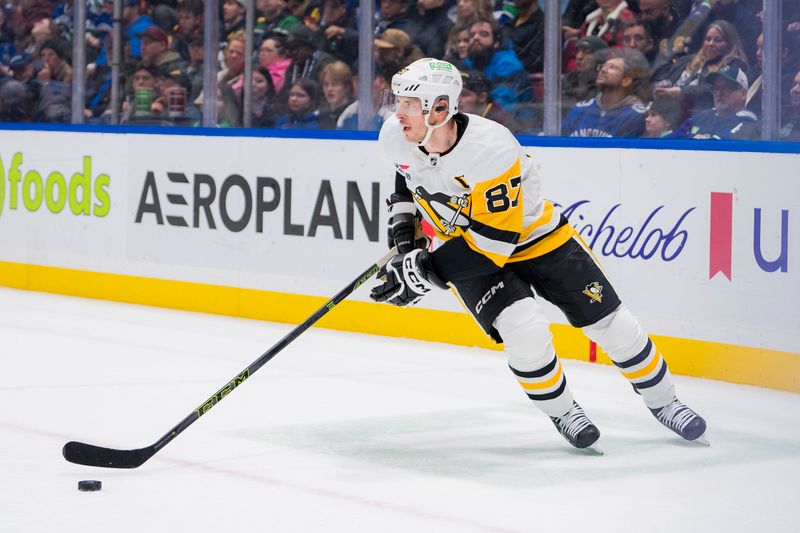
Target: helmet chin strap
column 430, row 127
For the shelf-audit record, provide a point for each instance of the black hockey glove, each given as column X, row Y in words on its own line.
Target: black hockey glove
column 409, row 277
column 403, row 223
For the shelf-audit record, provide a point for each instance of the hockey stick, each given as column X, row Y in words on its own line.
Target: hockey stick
column 91, row 455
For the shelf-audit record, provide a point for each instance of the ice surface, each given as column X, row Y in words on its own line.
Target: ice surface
column 344, row 432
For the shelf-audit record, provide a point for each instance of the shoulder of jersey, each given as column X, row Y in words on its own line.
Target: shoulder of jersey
column 585, row 103
column 639, row 108
column 489, row 147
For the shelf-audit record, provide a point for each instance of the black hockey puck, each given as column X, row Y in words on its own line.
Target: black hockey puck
column 89, row 485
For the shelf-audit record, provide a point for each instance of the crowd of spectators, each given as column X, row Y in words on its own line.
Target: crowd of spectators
column 635, row 68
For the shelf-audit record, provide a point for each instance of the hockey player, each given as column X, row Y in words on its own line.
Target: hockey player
column 472, row 181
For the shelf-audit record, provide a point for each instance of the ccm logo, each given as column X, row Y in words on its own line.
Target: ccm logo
column 486, row 297
column 419, row 286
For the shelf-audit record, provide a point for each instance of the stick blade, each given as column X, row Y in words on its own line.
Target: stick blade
column 90, row 455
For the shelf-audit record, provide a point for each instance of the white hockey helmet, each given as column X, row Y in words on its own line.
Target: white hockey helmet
column 429, row 80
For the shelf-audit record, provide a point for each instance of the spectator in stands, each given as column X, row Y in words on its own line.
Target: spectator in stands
column 171, row 100
column 263, row 99
column 579, row 85
column 274, row 16
column 434, row 25
column 636, row 34
column 190, row 18
column 337, row 92
column 728, row 119
column 136, row 21
column 339, row 33
column 394, row 14
column 604, row 22
column 465, row 12
column 662, row 117
column 394, row 50
column 229, row 111
column 789, row 65
column 457, row 46
column 302, row 106
column 791, row 129
column 476, row 98
column 527, row 34
column 22, row 67
column 43, row 30
column 155, row 51
column 510, row 83
column 685, row 78
column 307, row 60
column 233, row 18
column 54, row 65
column 143, row 78
column 617, row 109
column 195, row 68
column 234, row 55
column 15, row 101
column 381, row 83
column 272, row 56
column 663, row 20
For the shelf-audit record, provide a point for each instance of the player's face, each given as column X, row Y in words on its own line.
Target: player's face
column 409, row 113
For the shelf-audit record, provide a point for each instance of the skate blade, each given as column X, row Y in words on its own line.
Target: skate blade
column 594, row 449
column 702, row 439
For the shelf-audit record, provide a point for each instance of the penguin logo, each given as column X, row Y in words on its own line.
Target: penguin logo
column 594, row 291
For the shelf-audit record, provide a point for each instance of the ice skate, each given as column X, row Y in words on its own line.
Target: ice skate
column 683, row 421
column 579, row 431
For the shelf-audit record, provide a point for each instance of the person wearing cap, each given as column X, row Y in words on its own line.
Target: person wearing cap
column 685, row 78
column 617, row 109
column 393, row 49
column 434, row 26
column 54, row 65
column 233, row 18
column 156, row 52
column 22, row 67
column 476, row 98
column 307, row 60
column 662, row 117
column 728, row 119
column 172, row 101
column 579, row 84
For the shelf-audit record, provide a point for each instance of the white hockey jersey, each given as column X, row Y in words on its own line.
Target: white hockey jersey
column 484, row 189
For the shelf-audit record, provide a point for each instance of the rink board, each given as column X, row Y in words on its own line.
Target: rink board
column 701, row 244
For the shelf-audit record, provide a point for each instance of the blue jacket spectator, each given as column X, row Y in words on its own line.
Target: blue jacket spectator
column 728, row 119
column 616, row 110
column 510, row 83
column 304, row 99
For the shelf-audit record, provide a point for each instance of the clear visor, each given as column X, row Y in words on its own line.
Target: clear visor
column 407, row 106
